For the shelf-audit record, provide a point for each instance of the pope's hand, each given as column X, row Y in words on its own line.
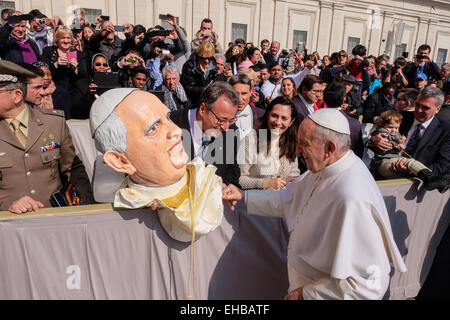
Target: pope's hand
column 231, row 194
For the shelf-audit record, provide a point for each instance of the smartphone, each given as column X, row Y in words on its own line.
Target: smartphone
column 107, row 80
column 104, row 18
column 71, row 55
column 405, row 55
column 58, row 200
column 119, row 28
column 164, row 17
column 17, row 19
column 159, row 33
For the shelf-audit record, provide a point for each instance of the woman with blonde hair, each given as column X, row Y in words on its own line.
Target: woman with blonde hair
column 66, row 63
column 199, row 71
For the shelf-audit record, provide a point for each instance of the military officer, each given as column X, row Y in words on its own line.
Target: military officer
column 36, row 150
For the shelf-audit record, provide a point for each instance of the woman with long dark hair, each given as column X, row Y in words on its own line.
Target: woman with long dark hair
column 268, row 156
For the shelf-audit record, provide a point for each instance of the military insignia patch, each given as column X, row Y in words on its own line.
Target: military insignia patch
column 50, row 146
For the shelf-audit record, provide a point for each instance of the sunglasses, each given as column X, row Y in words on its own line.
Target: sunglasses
column 205, row 58
column 98, row 64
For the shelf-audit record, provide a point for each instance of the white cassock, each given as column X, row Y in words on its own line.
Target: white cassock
column 341, row 244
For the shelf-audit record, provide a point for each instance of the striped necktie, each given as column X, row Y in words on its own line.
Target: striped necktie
column 415, row 139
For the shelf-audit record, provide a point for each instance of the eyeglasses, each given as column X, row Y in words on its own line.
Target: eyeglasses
column 205, row 58
column 98, row 64
column 343, row 55
column 223, row 121
column 317, row 91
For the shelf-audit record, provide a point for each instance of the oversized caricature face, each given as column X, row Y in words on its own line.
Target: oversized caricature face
column 154, row 148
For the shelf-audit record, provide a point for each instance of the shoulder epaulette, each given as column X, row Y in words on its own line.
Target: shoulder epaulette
column 54, row 112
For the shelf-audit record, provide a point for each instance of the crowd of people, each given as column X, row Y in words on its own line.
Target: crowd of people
column 257, row 97
column 275, row 89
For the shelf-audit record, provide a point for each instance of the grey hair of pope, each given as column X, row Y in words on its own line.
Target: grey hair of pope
column 111, row 135
column 342, row 140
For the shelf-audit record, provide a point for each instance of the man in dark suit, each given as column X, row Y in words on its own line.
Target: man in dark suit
column 271, row 57
column 428, row 138
column 210, row 131
column 405, row 104
column 309, row 93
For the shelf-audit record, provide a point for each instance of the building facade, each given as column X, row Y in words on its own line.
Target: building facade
column 385, row 26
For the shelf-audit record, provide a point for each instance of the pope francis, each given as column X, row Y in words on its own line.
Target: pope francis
column 133, row 130
column 341, row 244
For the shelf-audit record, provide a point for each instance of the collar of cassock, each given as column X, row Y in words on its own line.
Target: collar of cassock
column 336, row 167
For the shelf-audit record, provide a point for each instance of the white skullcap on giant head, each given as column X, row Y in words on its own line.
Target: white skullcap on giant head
column 331, row 119
column 105, row 105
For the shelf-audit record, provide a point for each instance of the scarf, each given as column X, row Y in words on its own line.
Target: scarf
column 169, row 101
column 190, row 206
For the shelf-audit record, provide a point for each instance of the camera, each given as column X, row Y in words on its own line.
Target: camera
column 286, row 62
column 159, row 33
column 420, row 57
column 164, row 52
column 40, row 20
column 164, row 17
column 132, row 60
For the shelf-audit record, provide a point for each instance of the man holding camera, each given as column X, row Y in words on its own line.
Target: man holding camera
column 105, row 41
column 206, row 33
column 422, row 65
column 41, row 29
column 15, row 45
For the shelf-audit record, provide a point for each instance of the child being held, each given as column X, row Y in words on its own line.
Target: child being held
column 389, row 123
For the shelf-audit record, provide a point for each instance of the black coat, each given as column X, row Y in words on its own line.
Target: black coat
column 229, row 172
column 430, row 69
column 375, row 105
column 10, row 50
column 82, row 100
column 433, row 149
column 62, row 101
column 193, row 80
column 64, row 76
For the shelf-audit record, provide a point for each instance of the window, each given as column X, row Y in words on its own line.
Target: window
column 91, row 14
column 7, row 5
column 441, row 57
column 399, row 50
column 299, row 36
column 351, row 43
column 238, row 31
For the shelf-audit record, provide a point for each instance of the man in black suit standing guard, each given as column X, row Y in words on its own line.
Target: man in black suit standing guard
column 210, row 131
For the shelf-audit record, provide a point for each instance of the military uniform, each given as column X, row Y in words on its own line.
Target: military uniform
column 36, row 170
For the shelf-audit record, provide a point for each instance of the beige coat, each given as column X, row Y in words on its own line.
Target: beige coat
column 30, row 171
